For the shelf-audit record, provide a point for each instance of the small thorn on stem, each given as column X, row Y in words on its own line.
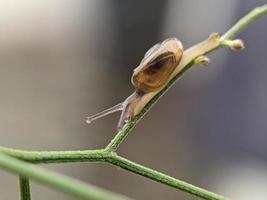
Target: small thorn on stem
column 235, row 45
column 202, row 60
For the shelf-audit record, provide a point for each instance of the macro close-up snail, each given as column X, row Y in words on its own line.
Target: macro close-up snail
column 160, row 65
column 153, row 72
column 56, row 78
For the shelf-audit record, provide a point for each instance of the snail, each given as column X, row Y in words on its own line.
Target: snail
column 153, row 72
column 161, row 63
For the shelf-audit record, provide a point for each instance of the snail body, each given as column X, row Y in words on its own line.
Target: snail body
column 149, row 77
column 160, row 64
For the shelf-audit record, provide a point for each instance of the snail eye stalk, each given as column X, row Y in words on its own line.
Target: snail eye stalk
column 116, row 108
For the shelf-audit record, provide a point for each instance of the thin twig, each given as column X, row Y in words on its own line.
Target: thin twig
column 253, row 15
column 25, row 191
column 163, row 178
column 55, row 180
column 56, row 156
column 112, row 158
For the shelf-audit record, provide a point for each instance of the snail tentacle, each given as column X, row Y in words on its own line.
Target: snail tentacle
column 106, row 112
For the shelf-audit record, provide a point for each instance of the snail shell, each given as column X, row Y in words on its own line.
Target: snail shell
column 157, row 65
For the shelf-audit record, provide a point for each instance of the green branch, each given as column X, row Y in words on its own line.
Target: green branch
column 56, row 156
column 163, row 178
column 108, row 154
column 25, row 191
column 112, row 158
column 116, row 160
column 253, row 15
column 68, row 185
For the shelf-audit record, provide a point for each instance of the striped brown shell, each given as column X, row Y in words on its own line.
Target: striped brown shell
column 157, row 65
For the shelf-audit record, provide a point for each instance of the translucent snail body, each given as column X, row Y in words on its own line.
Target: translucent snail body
column 153, row 72
column 160, row 64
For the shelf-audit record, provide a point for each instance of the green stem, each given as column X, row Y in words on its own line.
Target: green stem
column 25, row 191
column 56, row 156
column 163, row 178
column 245, row 21
column 112, row 158
column 63, row 183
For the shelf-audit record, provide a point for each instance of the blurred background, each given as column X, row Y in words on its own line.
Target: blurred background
column 63, row 60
